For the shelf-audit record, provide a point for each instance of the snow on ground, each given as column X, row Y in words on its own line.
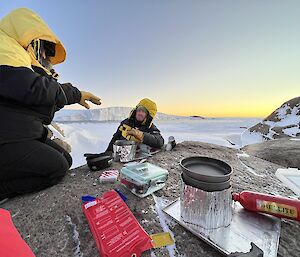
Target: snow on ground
column 249, row 169
column 245, row 155
column 77, row 251
column 248, row 138
column 286, row 118
column 292, row 132
column 93, row 137
column 290, row 177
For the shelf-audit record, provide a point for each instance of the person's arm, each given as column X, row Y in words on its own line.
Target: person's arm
column 73, row 95
column 39, row 93
column 29, row 88
column 117, row 136
column 153, row 138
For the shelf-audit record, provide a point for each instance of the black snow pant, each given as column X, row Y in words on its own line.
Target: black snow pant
column 31, row 166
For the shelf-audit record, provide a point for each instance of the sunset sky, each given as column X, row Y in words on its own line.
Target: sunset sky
column 210, row 58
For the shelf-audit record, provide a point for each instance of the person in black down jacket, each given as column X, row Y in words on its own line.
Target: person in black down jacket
column 139, row 127
column 29, row 97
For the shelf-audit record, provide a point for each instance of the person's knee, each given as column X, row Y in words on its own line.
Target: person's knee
column 59, row 170
column 63, row 168
column 69, row 160
column 60, row 149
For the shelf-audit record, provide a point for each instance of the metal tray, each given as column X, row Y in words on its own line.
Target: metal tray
column 246, row 227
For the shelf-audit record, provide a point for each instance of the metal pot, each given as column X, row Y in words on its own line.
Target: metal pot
column 205, row 192
column 206, row 169
column 124, row 150
column 206, row 186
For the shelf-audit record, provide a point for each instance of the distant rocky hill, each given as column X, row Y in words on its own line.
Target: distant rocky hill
column 108, row 114
column 282, row 123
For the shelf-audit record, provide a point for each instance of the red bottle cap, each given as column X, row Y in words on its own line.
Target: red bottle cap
column 236, row 197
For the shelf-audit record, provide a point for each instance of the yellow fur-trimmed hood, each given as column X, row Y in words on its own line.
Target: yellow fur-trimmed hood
column 151, row 108
column 17, row 30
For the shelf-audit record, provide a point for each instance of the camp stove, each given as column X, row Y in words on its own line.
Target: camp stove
column 206, row 209
column 245, row 228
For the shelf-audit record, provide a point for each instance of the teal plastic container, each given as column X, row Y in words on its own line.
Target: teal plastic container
column 143, row 178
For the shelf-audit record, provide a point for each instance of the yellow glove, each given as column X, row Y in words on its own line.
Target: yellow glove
column 139, row 135
column 87, row 96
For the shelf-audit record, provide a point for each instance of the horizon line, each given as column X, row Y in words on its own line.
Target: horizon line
column 180, row 115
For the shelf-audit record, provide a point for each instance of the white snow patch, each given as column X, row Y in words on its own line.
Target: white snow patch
column 248, row 168
column 290, row 177
column 243, row 155
column 271, row 134
column 75, row 236
column 56, row 133
column 292, row 132
column 287, row 117
column 249, row 138
column 86, row 138
column 284, row 118
column 281, row 112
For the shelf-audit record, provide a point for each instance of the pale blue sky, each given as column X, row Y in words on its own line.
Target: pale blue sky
column 215, row 58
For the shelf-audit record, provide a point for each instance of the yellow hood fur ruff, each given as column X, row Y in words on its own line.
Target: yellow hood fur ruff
column 149, row 105
column 17, row 30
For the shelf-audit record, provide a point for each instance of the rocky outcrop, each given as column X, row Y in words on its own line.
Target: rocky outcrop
column 52, row 222
column 284, row 151
column 282, row 123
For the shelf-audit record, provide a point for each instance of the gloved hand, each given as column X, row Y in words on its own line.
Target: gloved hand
column 139, row 135
column 87, row 96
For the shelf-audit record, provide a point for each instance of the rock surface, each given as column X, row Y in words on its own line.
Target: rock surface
column 52, row 222
column 284, row 151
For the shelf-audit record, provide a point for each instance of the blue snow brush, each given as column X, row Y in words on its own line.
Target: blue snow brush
column 87, row 198
column 124, row 198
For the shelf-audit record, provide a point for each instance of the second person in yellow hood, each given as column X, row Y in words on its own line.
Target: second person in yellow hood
column 29, row 96
column 139, row 126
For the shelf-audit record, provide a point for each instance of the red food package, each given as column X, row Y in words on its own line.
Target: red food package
column 11, row 243
column 116, row 231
